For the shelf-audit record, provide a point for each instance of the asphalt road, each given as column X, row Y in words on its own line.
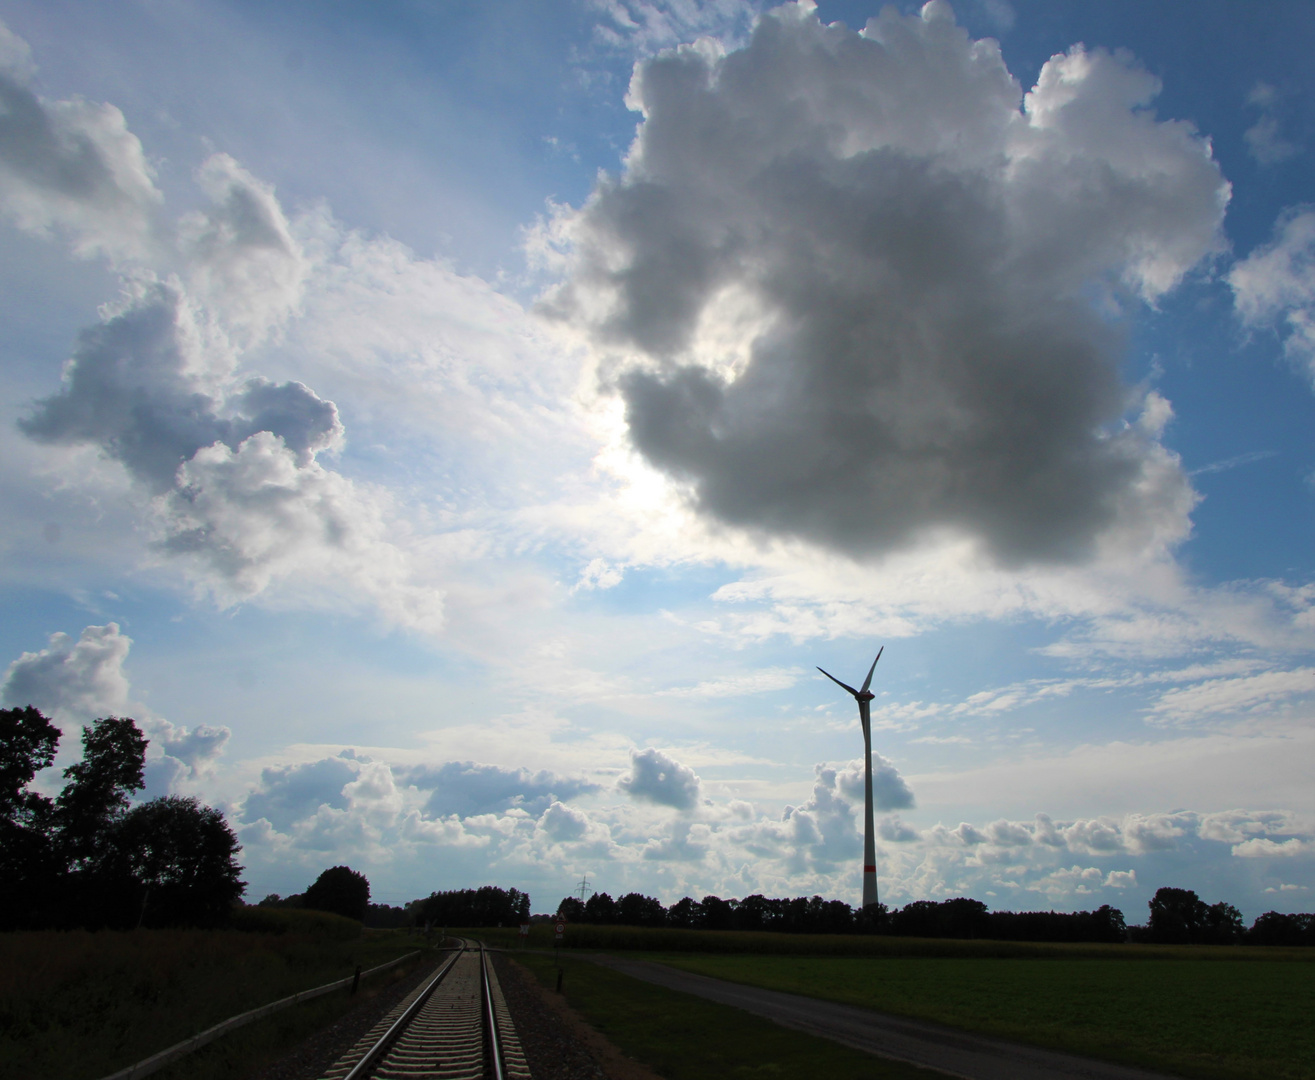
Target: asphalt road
column 932, row 1046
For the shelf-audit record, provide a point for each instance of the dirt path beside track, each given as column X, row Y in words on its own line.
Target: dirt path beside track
column 932, row 1046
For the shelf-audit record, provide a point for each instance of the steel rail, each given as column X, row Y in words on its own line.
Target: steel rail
column 490, row 1017
column 363, row 1067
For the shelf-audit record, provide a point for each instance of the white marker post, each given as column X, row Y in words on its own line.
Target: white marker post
column 561, row 929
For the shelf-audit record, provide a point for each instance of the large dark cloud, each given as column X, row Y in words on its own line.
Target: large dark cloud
column 465, row 788
column 849, row 292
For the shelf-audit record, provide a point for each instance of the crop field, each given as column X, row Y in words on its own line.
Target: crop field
column 77, row 1005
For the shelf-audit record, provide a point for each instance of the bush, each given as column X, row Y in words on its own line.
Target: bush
column 386, row 917
column 322, row 925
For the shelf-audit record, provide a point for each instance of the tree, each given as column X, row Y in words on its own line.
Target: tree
column 27, row 745
column 1108, row 924
column 340, row 890
column 295, row 900
column 28, row 865
column 1277, row 928
column 97, row 787
column 85, row 859
column 1180, row 917
column 174, row 860
column 571, row 909
column 600, row 909
column 751, row 913
column 717, row 913
column 959, row 917
column 635, row 909
column 386, row 917
column 485, row 906
column 1223, row 925
column 685, row 914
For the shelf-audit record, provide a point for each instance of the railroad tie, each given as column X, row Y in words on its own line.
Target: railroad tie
column 445, row 1038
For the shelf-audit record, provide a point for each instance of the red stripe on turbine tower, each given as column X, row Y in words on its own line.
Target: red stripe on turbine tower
column 864, row 699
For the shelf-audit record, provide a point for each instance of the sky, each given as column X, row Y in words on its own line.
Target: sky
column 457, row 432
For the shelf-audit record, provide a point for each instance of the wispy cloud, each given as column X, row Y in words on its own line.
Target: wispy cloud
column 752, row 682
column 1249, row 458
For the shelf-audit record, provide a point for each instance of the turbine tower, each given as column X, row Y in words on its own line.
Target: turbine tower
column 864, row 697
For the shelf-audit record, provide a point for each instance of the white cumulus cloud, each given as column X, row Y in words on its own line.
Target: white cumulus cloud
column 71, row 166
column 1277, row 282
column 73, row 680
column 659, row 778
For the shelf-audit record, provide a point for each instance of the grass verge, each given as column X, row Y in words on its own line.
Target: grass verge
column 1221, row 1019
column 246, row 1051
column 77, row 1005
column 687, row 1038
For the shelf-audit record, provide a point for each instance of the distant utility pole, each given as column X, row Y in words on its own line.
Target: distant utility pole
column 864, row 698
column 584, row 887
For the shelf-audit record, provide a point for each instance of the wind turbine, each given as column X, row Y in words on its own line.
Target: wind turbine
column 864, row 698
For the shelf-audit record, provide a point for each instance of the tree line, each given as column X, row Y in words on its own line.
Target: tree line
column 487, row 906
column 343, row 891
column 84, row 858
column 1177, row 917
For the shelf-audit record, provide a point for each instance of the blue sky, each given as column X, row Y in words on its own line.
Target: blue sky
column 457, row 431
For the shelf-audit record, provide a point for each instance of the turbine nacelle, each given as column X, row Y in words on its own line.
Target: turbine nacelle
column 862, row 696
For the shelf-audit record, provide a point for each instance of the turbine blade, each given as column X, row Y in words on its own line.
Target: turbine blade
column 868, row 681
column 838, row 682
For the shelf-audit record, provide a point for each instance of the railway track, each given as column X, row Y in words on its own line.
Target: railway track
column 454, row 1026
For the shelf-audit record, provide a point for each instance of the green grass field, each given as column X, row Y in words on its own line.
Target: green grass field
column 686, row 1038
column 77, row 1005
column 639, row 939
column 1215, row 1017
column 1230, row 1013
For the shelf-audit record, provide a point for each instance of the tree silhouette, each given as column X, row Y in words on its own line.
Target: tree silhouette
column 178, row 857
column 28, row 865
column 97, row 788
column 340, row 890
column 485, row 906
column 1180, row 917
column 571, row 909
column 85, row 858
